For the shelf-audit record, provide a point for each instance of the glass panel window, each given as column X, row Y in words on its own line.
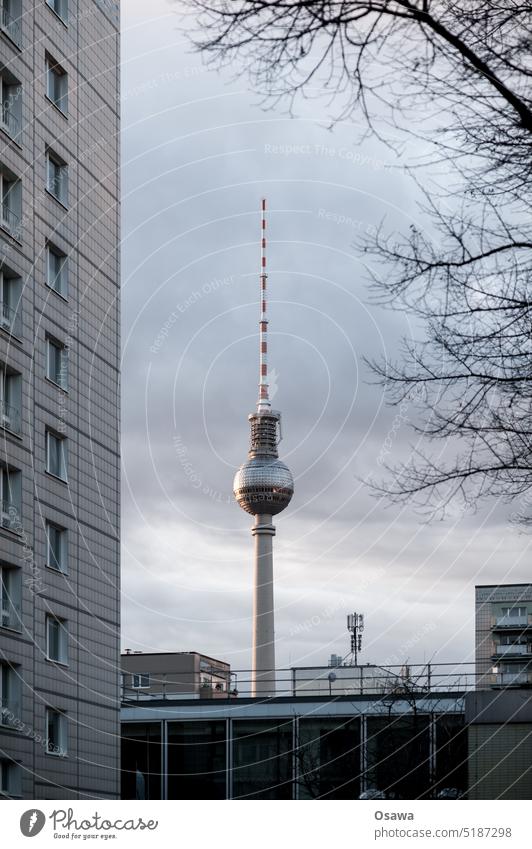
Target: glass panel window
column 57, row 84
column 10, row 691
column 57, row 177
column 56, row 732
column 57, row 270
column 10, row 498
column 57, row 547
column 514, row 612
column 56, row 639
column 10, row 399
column 56, row 459
column 141, row 681
column 328, row 758
column 262, row 759
column 56, row 362
column 197, row 760
column 60, row 7
column 11, row 202
column 10, row 778
column 10, row 597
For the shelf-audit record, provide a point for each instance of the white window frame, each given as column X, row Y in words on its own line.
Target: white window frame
column 62, row 560
column 8, row 495
column 138, row 680
column 57, row 177
column 56, row 276
column 56, row 352
column 61, row 748
column 7, row 203
column 53, row 439
column 56, row 85
column 62, row 641
column 514, row 612
column 9, row 316
column 59, row 8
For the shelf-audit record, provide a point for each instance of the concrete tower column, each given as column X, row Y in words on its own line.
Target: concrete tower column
column 263, row 664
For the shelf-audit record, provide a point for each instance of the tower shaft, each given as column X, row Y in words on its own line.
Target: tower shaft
column 263, row 649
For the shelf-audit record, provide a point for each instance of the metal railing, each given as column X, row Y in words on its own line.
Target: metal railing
column 511, row 622
column 10, row 220
column 9, row 122
column 10, row 516
column 9, row 417
column 517, row 649
column 407, row 682
column 10, row 26
column 10, row 319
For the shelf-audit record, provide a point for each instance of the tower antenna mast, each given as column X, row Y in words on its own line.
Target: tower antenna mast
column 263, row 486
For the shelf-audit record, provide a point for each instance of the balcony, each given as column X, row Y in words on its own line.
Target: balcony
column 10, row 319
column 11, row 27
column 9, row 220
column 9, row 417
column 516, row 649
column 513, row 679
column 10, row 517
column 8, row 122
column 511, row 622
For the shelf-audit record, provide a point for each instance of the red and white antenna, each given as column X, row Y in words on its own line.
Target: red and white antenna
column 263, row 404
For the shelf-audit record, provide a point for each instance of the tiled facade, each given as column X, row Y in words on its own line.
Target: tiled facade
column 503, row 635
column 80, row 39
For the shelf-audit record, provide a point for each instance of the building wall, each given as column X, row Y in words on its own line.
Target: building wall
column 499, row 761
column 87, row 231
column 489, row 603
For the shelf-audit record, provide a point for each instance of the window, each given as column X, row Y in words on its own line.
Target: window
column 10, row 399
column 60, row 7
column 10, row 691
column 56, row 639
column 56, row 84
column 10, row 784
column 10, row 595
column 56, row 732
column 57, row 177
column 56, row 362
column 10, row 13
column 514, row 612
column 57, row 547
column 56, row 455
column 140, row 681
column 10, row 498
column 11, row 103
column 57, row 270
column 11, row 202
column 10, row 313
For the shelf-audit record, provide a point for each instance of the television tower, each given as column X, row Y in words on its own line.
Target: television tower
column 263, row 486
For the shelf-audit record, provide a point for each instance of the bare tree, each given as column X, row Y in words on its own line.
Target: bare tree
column 456, row 75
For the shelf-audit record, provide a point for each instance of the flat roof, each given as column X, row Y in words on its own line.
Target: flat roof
column 176, row 653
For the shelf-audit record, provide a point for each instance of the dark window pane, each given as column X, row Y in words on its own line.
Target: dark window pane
column 197, row 760
column 262, row 759
column 141, row 761
column 399, row 755
column 328, row 758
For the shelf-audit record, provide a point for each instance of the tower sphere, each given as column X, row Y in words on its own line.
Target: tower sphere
column 263, row 486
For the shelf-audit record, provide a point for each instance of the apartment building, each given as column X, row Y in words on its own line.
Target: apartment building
column 59, row 358
column 170, row 675
column 503, row 635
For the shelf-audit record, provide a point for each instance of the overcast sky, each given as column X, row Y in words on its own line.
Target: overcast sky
column 198, row 154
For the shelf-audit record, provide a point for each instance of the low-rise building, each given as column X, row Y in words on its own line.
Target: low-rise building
column 173, row 675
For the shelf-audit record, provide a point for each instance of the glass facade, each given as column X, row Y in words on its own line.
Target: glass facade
column 197, row 760
column 398, row 753
column 328, row 758
column 262, row 759
column 141, row 761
